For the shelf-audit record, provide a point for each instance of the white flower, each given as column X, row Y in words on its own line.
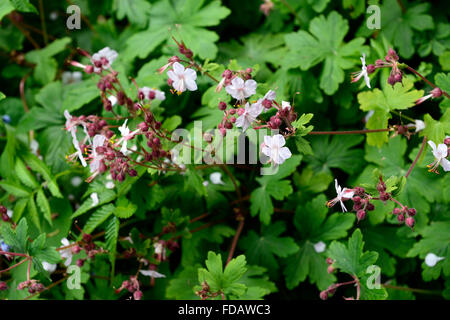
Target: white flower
column 66, row 254
column 320, row 246
column 285, row 104
column 76, row 181
column 72, row 128
column 152, row 273
column 342, row 194
column 363, row 73
column 71, row 77
column 49, row 267
column 250, row 114
column 113, row 100
column 126, row 135
column 205, row 183
column 94, row 197
column 273, row 147
column 216, row 178
column 182, row 78
column 34, row 146
column 420, row 125
column 159, row 95
column 98, row 141
column 270, row 96
column 9, row 213
column 431, row 259
column 240, row 90
column 106, row 53
column 110, row 185
column 440, row 153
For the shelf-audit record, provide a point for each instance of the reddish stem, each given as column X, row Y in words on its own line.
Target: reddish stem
column 426, row 80
column 235, row 240
column 417, row 157
column 349, row 132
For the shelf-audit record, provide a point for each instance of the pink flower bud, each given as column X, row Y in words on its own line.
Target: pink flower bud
column 323, row 295
column 89, row 69
column 137, row 295
column 361, row 215
column 411, row 212
column 222, row 105
column 401, row 217
column 436, row 92
column 410, row 222
column 370, row 68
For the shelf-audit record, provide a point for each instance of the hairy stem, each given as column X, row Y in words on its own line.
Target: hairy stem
column 426, row 80
column 235, row 240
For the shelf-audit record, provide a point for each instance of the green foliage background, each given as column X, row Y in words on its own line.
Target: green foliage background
column 303, row 46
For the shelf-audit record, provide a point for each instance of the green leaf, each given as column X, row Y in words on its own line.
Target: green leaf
column 46, row 66
column 15, row 189
column 124, row 209
column 43, row 204
column 137, row 11
column 324, row 43
column 336, row 152
column 226, row 281
column 194, row 16
column 78, row 94
column 398, row 25
column 437, row 130
column 104, row 196
column 351, row 258
column 5, row 8
column 434, row 240
column 262, row 249
column 23, row 6
column 24, row 175
column 39, row 166
column 401, row 97
column 111, row 236
column 379, row 120
column 98, row 217
column 16, row 239
column 172, row 123
column 33, row 213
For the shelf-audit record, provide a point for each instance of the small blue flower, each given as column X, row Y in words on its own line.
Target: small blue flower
column 6, row 118
column 4, row 246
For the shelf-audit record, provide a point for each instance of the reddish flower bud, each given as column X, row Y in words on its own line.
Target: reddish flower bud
column 412, row 212
column 401, row 217
column 157, row 125
column 410, row 222
column 227, row 74
column 356, row 199
column 447, row 141
column 228, row 125
column 329, row 260
column 267, row 103
column 232, row 119
column 222, row 105
column 391, row 80
column 137, row 295
column 76, row 249
column 143, row 126
column 3, row 286
column 5, row 217
column 370, row 207
column 436, row 92
column 323, row 295
column 330, row 269
column 89, row 69
column 3, row 209
column 80, row 262
column 132, row 173
column 384, row 196
column 361, row 215
column 357, row 206
column 151, row 95
column 370, row 68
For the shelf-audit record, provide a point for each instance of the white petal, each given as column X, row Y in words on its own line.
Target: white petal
column 152, row 273
column 285, row 153
column 172, row 75
column 268, row 141
column 270, row 95
column 445, row 164
column 420, row 125
column 237, row 83
column 49, row 267
column 94, row 197
column 250, row 88
column 442, row 150
column 432, row 145
column 278, row 140
column 190, row 74
column 367, row 79
column 191, row 85
column 216, row 178
column 320, row 246
column 178, row 68
column 113, row 100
